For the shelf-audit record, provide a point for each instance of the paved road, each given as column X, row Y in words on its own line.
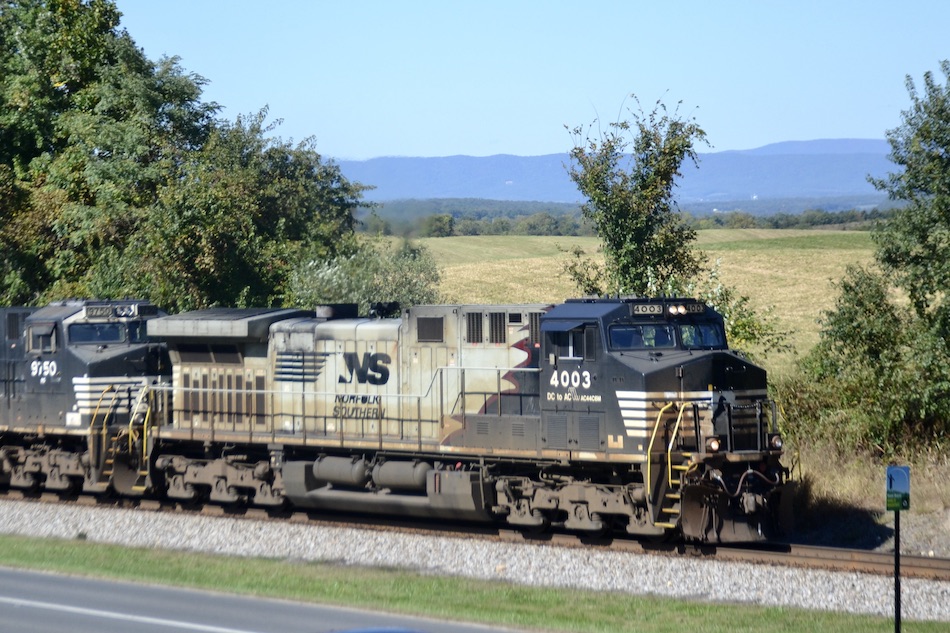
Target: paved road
column 48, row 603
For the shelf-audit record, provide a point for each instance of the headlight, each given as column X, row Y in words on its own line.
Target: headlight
column 775, row 442
column 680, row 309
column 713, row 444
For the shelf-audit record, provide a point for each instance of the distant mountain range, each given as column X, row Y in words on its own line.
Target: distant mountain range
column 787, row 176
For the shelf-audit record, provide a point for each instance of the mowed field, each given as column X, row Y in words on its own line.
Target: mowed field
column 790, row 270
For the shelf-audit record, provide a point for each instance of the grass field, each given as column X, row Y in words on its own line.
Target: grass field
column 791, row 270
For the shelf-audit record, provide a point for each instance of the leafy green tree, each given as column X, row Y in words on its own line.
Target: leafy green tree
column 88, row 129
column 118, row 180
column 50, row 51
column 228, row 230
column 913, row 247
column 627, row 175
column 883, row 363
column 538, row 224
column 438, row 225
column 375, row 272
column 49, row 56
column 128, row 133
column 376, row 225
column 468, row 226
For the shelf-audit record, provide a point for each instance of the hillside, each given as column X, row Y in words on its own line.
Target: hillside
column 790, row 176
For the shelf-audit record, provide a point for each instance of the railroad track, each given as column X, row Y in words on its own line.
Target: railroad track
column 839, row 559
column 789, row 555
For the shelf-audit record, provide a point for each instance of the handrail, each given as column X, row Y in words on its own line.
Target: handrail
column 165, row 387
column 429, row 393
column 144, row 394
column 656, row 426
column 132, row 413
column 105, row 419
column 146, row 423
column 669, row 448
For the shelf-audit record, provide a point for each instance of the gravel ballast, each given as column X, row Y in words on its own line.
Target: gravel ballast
column 528, row 564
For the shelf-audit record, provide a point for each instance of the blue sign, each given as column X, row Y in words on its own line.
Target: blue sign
column 897, row 488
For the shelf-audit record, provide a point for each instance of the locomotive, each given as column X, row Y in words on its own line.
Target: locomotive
column 624, row 415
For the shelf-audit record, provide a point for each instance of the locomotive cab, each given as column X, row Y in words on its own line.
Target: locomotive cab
column 652, row 383
column 82, row 355
column 77, row 373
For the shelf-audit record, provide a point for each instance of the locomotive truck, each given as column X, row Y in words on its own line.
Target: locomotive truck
column 596, row 415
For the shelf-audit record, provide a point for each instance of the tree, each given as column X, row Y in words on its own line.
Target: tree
column 375, row 272
column 49, row 52
column 647, row 246
column 887, row 367
column 438, row 225
column 230, row 227
column 118, row 180
column 913, row 247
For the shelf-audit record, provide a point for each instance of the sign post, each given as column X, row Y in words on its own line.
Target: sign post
column 897, row 497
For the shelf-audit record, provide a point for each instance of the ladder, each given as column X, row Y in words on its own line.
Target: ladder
column 667, row 494
column 135, row 448
column 121, row 446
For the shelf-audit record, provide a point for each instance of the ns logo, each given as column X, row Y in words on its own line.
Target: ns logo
column 372, row 368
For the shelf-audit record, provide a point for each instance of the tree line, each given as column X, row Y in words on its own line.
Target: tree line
column 452, row 223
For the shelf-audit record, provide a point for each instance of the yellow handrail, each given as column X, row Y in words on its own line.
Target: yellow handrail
column 144, row 394
column 105, row 419
column 669, row 448
column 145, row 426
column 659, row 416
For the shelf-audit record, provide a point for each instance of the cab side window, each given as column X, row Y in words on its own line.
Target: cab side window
column 579, row 343
column 42, row 338
column 568, row 344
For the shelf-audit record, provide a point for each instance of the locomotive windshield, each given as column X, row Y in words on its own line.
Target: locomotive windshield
column 624, row 337
column 634, row 336
column 702, row 336
column 105, row 333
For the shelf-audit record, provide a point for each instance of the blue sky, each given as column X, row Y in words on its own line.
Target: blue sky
column 440, row 78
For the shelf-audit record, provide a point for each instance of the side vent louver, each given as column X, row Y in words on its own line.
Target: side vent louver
column 473, row 321
column 496, row 328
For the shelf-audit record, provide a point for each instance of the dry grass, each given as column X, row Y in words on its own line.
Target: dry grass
column 505, row 269
column 859, row 482
column 791, row 270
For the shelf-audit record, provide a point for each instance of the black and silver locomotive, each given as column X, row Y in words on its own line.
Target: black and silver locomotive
column 595, row 415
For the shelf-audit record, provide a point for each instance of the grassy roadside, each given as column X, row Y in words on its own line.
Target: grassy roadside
column 493, row 603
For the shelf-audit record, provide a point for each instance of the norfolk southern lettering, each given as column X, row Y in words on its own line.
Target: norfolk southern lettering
column 360, row 407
